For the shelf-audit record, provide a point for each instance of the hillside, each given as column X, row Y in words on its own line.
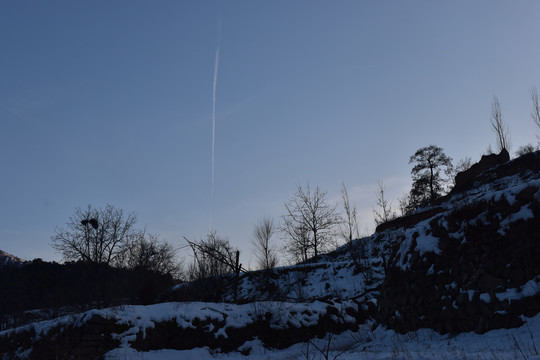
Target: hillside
column 9, row 260
column 461, row 272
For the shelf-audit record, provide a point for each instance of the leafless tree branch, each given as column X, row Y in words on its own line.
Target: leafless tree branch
column 535, row 114
column 264, row 249
column 309, row 213
column 500, row 129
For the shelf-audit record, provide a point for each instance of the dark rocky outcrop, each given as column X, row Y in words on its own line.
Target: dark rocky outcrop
column 88, row 340
column 465, row 179
column 92, row 336
column 474, row 282
column 204, row 332
column 409, row 221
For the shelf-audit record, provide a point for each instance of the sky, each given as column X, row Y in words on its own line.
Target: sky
column 111, row 102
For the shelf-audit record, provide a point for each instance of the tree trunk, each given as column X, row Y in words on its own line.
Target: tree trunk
column 432, row 197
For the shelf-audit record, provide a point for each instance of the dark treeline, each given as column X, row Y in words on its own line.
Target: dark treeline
column 45, row 285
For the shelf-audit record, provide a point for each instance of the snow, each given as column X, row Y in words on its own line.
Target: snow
column 165, row 354
column 506, row 187
column 425, row 242
column 314, row 281
column 529, row 289
column 485, row 297
column 524, row 213
column 10, row 260
column 428, row 243
column 378, row 344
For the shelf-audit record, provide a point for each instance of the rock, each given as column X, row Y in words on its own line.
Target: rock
column 488, row 282
column 526, row 194
column 461, row 298
column 409, row 220
column 481, row 326
column 485, row 310
column 443, row 289
column 465, row 179
column 516, row 322
column 517, row 276
column 471, row 309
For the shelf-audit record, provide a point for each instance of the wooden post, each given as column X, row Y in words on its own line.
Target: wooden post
column 237, row 275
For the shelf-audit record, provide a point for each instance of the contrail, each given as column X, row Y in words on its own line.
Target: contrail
column 216, row 68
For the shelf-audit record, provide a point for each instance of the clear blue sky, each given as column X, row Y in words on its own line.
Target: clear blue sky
column 111, row 102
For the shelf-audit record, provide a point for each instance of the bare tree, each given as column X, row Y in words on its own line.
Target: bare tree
column 310, row 211
column 213, row 256
column 499, row 127
column 148, row 253
column 264, row 249
column 298, row 243
column 349, row 222
column 349, row 229
column 535, row 114
column 384, row 212
column 404, row 206
column 95, row 235
column 526, row 149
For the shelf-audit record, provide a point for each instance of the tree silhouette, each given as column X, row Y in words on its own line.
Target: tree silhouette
column 95, row 235
column 500, row 128
column 309, row 213
column 428, row 182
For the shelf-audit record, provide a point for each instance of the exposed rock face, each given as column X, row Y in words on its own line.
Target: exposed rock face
column 465, row 179
column 91, row 335
column 483, row 273
column 210, row 332
column 88, row 339
column 408, row 221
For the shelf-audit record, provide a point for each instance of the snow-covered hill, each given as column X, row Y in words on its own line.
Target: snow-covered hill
column 468, row 263
column 9, row 260
column 471, row 263
column 460, row 279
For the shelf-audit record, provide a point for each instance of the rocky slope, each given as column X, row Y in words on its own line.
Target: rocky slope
column 467, row 263
column 471, row 262
column 9, row 260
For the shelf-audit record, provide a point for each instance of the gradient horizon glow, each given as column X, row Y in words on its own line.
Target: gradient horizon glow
column 112, row 102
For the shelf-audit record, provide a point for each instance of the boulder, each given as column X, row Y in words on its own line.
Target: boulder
column 465, row 179
column 488, row 282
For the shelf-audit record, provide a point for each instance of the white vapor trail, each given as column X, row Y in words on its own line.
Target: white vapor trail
column 216, row 68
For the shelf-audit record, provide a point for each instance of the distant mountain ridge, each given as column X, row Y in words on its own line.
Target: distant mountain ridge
column 7, row 259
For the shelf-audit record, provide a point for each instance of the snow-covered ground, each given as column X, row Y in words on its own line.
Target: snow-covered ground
column 378, row 344
column 366, row 343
